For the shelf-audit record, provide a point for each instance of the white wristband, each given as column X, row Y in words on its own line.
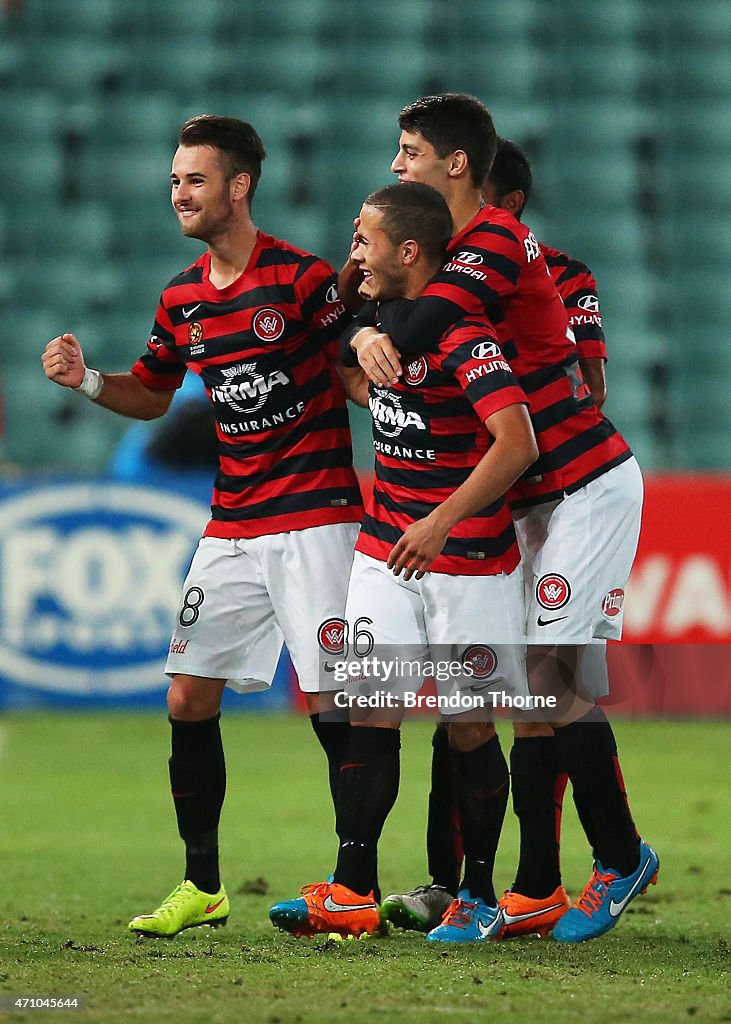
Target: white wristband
column 91, row 385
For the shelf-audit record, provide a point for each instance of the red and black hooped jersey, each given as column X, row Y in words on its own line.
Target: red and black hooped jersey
column 428, row 435
column 264, row 348
column 495, row 266
column 576, row 285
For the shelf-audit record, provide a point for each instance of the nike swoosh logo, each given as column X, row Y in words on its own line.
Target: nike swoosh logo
column 330, row 904
column 479, row 689
column 189, row 312
column 615, row 909
column 515, row 918
column 328, row 668
column 547, row 622
column 214, row 906
column 486, row 930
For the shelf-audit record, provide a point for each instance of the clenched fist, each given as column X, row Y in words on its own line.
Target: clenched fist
column 63, row 361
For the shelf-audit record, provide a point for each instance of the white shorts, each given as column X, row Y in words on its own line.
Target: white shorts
column 243, row 597
column 472, row 623
column 577, row 554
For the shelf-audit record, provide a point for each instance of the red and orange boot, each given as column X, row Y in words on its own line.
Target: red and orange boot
column 327, row 907
column 523, row 915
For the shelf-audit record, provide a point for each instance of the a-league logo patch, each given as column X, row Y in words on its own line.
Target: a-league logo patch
column 553, row 591
column 268, row 324
column 480, row 660
column 331, row 636
column 612, row 603
column 195, row 333
column 416, row 371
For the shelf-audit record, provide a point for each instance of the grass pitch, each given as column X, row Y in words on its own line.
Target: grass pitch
column 88, row 839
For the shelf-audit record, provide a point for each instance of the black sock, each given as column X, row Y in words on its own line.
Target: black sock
column 198, row 784
column 481, row 784
column 587, row 750
column 368, row 787
column 443, row 833
column 533, row 774
column 333, row 737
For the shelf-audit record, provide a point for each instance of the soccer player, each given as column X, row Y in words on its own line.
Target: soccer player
column 508, row 186
column 436, row 564
column 258, row 320
column 580, row 503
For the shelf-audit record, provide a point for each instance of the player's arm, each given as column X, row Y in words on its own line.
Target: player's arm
column 355, row 383
column 406, row 326
column 581, row 300
column 470, row 286
column 473, row 281
column 513, row 450
column 123, row 393
column 594, row 374
column 375, row 352
column 417, row 326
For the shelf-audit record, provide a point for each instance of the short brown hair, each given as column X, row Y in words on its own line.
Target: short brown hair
column 239, row 143
column 451, row 121
column 413, row 210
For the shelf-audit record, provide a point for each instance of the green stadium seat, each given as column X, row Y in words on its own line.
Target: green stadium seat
column 95, row 19
column 389, row 69
column 71, row 286
column 694, row 170
column 247, row 67
column 628, row 394
column 10, row 58
column 619, row 76
column 122, row 175
column 711, row 131
column 702, row 416
column 700, row 239
column 624, row 295
column 81, row 65
column 362, row 432
column 29, row 114
column 33, row 171
column 611, row 235
column 151, row 229
column 703, row 449
column 703, row 70
column 596, row 123
column 648, row 449
column 177, row 65
column 605, row 178
column 121, row 335
column 477, row 23
column 687, row 23
column 525, row 123
column 75, row 231
column 381, row 23
column 298, row 23
column 67, row 433
column 586, row 24
column 158, row 20
column 305, row 227
column 510, row 70
column 138, row 118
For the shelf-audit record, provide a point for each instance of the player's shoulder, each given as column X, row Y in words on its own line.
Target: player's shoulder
column 275, row 251
column 564, row 266
column 468, row 331
column 491, row 220
column 494, row 230
column 190, row 275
